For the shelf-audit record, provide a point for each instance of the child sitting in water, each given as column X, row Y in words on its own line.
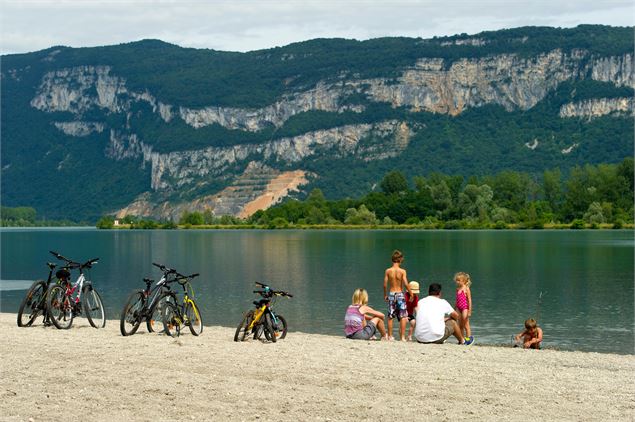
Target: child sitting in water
column 411, row 306
column 464, row 305
column 362, row 322
column 531, row 336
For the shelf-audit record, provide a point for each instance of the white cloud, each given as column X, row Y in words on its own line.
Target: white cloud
column 29, row 25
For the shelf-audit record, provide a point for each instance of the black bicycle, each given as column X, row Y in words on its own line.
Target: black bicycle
column 179, row 314
column 34, row 303
column 263, row 319
column 147, row 304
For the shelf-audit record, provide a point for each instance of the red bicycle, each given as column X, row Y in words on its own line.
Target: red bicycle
column 67, row 300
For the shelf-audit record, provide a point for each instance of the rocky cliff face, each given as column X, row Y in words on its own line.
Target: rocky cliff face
column 258, row 187
column 507, row 80
column 430, row 84
column 598, row 107
column 174, row 170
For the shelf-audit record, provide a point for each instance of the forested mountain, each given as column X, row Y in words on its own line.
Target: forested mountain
column 150, row 128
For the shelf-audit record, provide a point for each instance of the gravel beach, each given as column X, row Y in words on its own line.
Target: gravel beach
column 86, row 374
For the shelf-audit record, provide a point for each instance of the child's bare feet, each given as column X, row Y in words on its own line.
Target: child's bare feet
column 409, row 338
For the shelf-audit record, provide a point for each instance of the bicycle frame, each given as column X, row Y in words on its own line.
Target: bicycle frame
column 76, row 287
column 260, row 311
column 187, row 287
column 155, row 292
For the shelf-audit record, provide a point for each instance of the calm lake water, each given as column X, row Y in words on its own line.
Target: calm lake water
column 586, row 277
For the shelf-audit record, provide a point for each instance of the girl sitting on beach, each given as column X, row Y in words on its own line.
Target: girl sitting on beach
column 464, row 305
column 362, row 322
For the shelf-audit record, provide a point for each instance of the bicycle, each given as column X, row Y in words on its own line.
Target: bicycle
column 34, row 303
column 263, row 319
column 145, row 304
column 177, row 315
column 67, row 300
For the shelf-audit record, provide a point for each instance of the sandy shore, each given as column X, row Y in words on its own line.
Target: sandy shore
column 87, row 374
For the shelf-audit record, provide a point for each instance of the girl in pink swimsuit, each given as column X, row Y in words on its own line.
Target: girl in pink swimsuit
column 464, row 304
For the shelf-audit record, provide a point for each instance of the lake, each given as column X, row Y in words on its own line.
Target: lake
column 586, row 278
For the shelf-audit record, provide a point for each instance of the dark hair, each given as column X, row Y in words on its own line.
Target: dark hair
column 397, row 256
column 434, row 289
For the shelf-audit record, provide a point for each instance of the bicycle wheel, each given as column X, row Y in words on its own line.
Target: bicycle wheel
column 193, row 317
column 33, row 304
column 270, row 333
column 154, row 323
column 172, row 320
column 280, row 327
column 59, row 307
column 242, row 331
column 132, row 313
column 93, row 307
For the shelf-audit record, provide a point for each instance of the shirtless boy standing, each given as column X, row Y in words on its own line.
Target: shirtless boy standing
column 396, row 276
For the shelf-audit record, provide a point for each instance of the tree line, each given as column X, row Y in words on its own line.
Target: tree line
column 588, row 196
column 592, row 194
column 27, row 217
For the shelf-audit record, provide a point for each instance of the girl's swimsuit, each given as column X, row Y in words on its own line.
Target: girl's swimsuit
column 461, row 301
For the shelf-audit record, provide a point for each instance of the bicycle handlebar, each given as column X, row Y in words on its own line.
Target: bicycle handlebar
column 72, row 264
column 166, row 270
column 270, row 293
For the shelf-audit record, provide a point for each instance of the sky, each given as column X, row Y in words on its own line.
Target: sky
column 245, row 25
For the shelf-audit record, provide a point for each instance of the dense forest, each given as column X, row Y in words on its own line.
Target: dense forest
column 27, row 217
column 588, row 196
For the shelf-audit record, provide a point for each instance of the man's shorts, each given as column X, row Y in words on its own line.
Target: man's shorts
column 449, row 330
column 365, row 333
column 397, row 305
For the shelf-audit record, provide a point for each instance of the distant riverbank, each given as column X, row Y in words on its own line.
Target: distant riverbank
column 572, row 226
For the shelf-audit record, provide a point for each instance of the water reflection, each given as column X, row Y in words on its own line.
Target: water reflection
column 586, row 277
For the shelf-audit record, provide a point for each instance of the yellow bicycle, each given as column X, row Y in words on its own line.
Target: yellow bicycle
column 175, row 315
column 263, row 319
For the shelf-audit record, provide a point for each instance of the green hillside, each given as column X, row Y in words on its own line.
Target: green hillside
column 74, row 177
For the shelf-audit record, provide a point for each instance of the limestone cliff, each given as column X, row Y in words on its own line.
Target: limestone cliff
column 258, row 187
column 431, row 85
column 174, row 170
column 598, row 107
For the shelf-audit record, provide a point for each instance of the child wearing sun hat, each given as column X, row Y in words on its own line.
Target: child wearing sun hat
column 411, row 307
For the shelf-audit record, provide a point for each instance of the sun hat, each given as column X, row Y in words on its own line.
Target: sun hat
column 414, row 286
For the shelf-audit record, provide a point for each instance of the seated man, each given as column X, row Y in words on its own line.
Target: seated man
column 436, row 319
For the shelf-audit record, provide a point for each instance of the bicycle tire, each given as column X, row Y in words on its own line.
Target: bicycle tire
column 281, row 327
column 34, row 303
column 59, row 307
column 154, row 321
column 171, row 319
column 270, row 333
column 258, row 329
column 242, row 332
column 132, row 313
column 194, row 318
column 93, row 307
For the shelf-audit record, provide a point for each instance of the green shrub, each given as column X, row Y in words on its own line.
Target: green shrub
column 106, row 222
column 500, row 225
column 453, row 225
column 278, row 223
column 577, row 224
